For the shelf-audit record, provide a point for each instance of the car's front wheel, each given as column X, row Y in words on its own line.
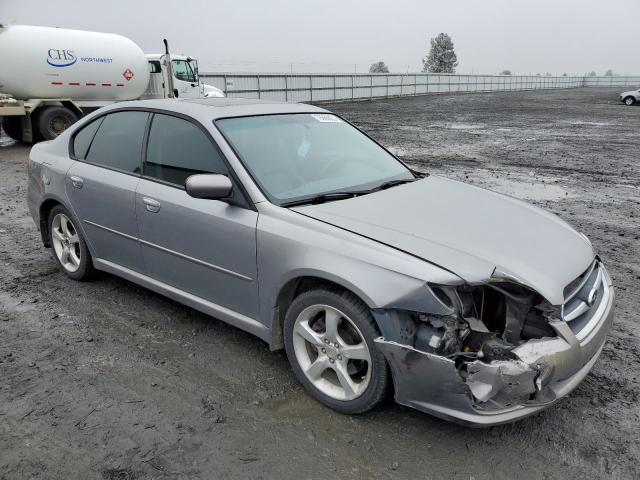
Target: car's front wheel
column 629, row 100
column 329, row 339
column 68, row 245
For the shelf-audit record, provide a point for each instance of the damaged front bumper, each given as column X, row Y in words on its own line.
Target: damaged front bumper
column 501, row 391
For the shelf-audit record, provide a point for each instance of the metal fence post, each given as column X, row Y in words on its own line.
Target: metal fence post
column 335, row 91
column 258, row 78
column 353, row 86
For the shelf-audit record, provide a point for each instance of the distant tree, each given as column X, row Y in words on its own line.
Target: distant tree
column 564, row 74
column 442, row 57
column 538, row 75
column 608, row 73
column 547, row 74
column 592, row 73
column 378, row 67
column 506, row 72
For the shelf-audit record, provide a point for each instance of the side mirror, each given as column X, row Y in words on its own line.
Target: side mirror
column 208, row 186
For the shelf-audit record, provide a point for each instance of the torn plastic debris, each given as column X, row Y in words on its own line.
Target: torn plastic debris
column 426, row 380
column 503, row 382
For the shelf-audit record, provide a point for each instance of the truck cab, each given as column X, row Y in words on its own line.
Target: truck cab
column 186, row 82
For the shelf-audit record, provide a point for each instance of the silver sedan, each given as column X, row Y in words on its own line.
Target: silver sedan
column 290, row 223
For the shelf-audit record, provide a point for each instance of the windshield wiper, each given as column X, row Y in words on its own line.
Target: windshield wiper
column 328, row 197
column 324, row 197
column 392, row 183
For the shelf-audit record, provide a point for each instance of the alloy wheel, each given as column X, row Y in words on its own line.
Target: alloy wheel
column 332, row 352
column 66, row 242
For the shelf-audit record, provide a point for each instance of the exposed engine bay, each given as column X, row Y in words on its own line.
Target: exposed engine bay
column 480, row 337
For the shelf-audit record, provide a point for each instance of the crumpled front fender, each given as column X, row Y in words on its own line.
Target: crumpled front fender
column 478, row 393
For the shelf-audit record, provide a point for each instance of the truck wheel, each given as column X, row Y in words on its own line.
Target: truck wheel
column 11, row 126
column 52, row 121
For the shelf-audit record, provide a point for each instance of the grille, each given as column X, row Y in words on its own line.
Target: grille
column 584, row 298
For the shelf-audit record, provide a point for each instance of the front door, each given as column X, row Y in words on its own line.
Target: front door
column 185, row 79
column 206, row 248
column 101, row 186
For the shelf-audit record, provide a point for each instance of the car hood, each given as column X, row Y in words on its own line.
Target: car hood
column 472, row 232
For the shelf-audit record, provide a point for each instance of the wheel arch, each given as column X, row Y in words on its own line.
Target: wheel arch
column 303, row 283
column 43, row 214
column 47, row 204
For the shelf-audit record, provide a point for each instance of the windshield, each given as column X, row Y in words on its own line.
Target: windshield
column 298, row 156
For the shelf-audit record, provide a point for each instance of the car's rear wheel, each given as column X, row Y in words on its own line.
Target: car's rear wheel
column 329, row 339
column 629, row 100
column 68, row 245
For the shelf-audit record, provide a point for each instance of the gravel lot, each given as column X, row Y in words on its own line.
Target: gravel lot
column 108, row 380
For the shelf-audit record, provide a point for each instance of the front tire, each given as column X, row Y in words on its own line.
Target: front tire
column 68, row 245
column 629, row 100
column 329, row 340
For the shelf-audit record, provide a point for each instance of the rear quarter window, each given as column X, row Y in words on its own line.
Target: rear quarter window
column 82, row 140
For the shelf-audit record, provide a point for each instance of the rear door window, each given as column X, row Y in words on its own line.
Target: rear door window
column 178, row 149
column 118, row 142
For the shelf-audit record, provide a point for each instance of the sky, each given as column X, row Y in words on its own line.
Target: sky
column 524, row 36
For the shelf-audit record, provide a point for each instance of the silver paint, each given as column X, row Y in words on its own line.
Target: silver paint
column 387, row 248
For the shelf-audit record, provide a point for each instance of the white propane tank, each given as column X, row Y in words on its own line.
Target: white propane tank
column 43, row 62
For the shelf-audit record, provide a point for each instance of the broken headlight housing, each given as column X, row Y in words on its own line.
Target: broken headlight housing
column 485, row 321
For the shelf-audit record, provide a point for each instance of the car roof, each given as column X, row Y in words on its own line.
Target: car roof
column 220, row 107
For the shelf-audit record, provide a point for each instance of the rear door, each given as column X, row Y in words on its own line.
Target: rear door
column 101, row 185
column 206, row 248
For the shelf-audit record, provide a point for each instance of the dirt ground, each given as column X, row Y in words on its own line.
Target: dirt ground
column 108, row 380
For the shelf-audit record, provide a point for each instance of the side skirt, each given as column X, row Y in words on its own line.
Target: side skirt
column 218, row 311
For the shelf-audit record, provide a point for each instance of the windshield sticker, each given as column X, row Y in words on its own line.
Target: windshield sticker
column 304, row 147
column 326, row 118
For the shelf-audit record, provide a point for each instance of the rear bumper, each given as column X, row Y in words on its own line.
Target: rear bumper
column 433, row 384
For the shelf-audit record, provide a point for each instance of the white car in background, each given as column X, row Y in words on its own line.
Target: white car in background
column 629, row 98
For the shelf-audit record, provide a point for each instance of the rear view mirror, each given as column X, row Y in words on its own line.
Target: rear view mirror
column 209, row 186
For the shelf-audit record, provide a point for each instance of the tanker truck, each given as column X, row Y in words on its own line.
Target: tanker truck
column 51, row 77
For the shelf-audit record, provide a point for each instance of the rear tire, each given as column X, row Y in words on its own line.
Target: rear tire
column 68, row 246
column 329, row 339
column 52, row 121
column 629, row 100
column 12, row 127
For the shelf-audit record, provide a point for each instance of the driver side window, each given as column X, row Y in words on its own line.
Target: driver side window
column 178, row 149
column 182, row 71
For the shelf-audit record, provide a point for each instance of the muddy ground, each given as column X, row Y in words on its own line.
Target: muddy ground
column 108, row 380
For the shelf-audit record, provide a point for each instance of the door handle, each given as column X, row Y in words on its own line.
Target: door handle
column 76, row 181
column 151, row 205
